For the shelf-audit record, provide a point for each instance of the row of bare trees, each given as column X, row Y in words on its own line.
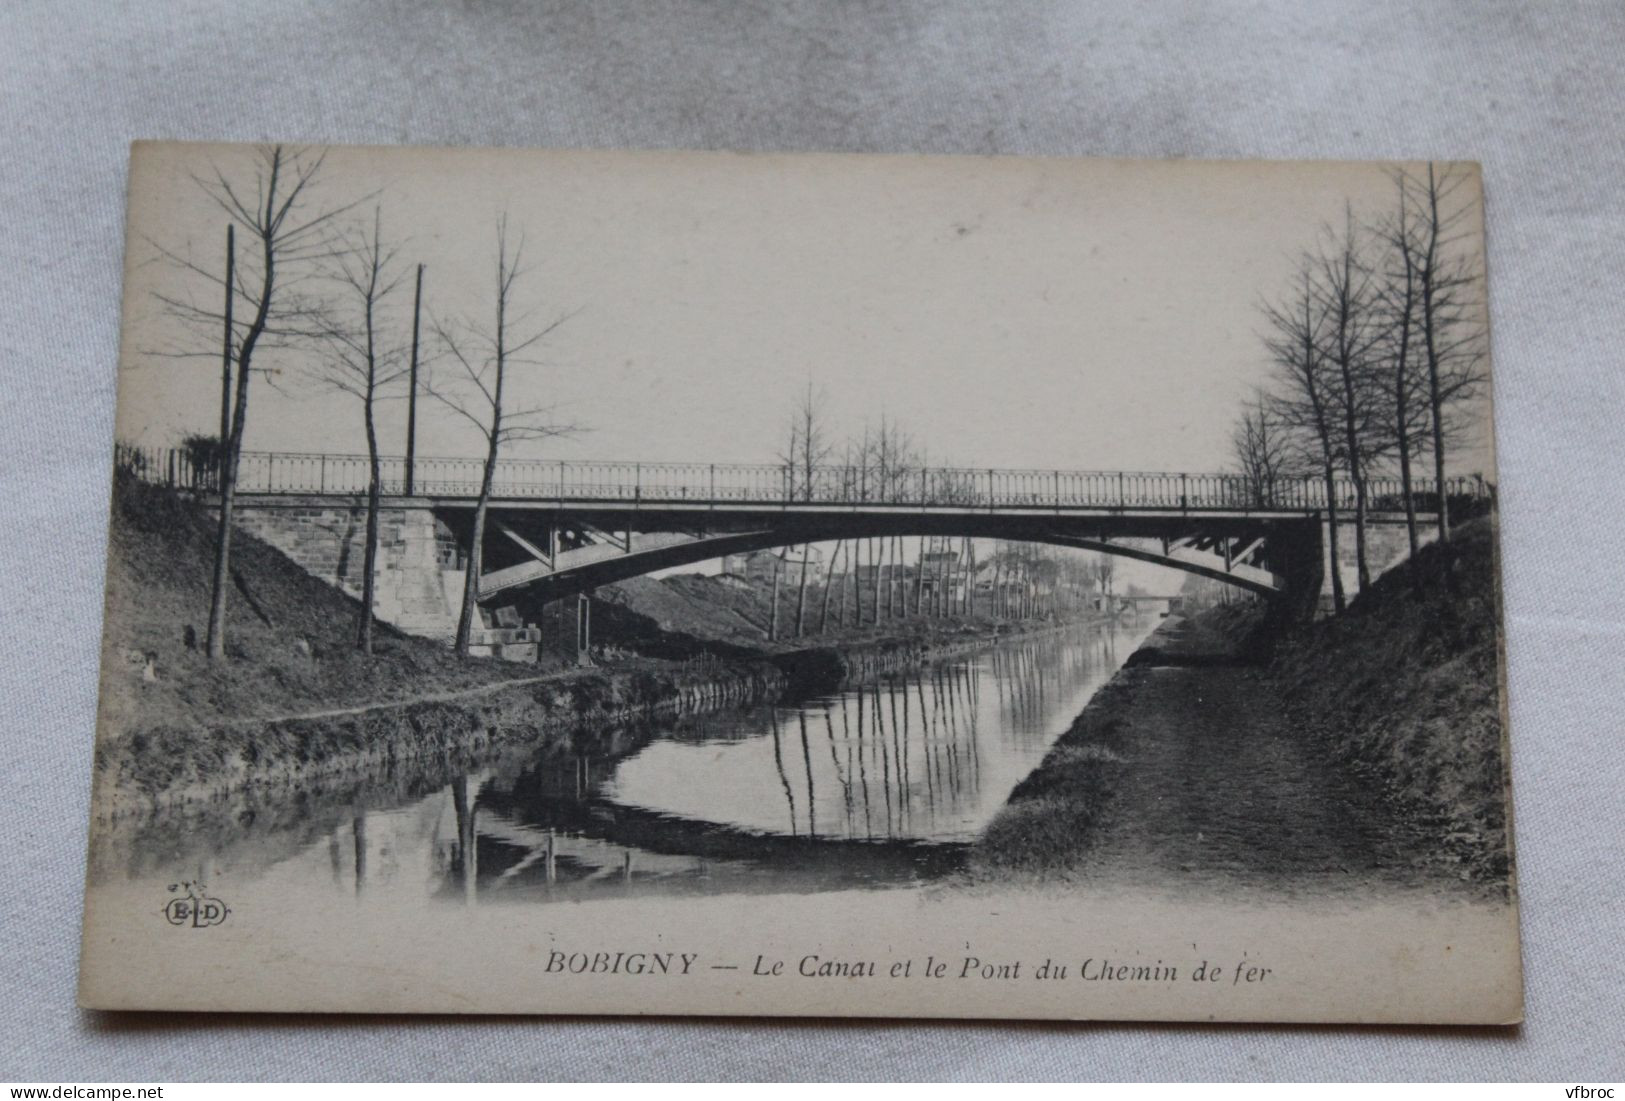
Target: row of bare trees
column 881, row 461
column 1022, row 581
column 884, row 463
column 1377, row 347
column 328, row 281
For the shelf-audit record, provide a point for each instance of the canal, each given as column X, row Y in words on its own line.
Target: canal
column 885, row 783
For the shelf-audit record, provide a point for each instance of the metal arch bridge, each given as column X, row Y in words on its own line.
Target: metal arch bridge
column 563, row 527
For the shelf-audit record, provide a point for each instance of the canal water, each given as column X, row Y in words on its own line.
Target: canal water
column 881, row 784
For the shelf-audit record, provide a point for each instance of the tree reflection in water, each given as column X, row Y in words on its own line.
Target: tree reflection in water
column 911, row 767
column 881, row 783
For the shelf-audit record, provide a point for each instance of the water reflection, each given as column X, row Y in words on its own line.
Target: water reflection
column 925, row 758
column 882, row 783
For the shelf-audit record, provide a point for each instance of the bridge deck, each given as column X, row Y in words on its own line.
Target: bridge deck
column 535, row 483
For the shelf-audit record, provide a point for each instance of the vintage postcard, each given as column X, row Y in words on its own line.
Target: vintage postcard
column 591, row 582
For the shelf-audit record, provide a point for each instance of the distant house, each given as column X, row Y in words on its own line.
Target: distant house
column 758, row 567
column 986, row 574
column 1011, row 585
column 939, row 569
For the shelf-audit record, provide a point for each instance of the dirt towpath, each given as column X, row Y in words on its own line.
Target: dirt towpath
column 1185, row 770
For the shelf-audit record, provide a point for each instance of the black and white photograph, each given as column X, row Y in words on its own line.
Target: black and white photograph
column 812, row 585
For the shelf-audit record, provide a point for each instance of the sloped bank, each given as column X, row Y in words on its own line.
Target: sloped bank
column 1406, row 688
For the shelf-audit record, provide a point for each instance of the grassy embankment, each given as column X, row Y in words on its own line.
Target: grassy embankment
column 1392, row 708
column 297, row 700
column 1408, row 689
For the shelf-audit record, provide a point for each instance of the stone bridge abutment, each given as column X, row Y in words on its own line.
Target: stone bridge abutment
column 420, row 562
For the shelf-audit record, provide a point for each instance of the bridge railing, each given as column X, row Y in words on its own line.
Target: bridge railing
column 280, row 472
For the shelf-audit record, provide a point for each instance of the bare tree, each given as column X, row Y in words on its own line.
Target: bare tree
column 1261, row 450
column 1447, row 279
column 829, row 587
column 1297, row 326
column 893, row 460
column 809, row 445
column 804, row 457
column 857, row 578
column 900, row 575
column 1104, row 569
column 1024, row 552
column 801, row 587
column 970, row 580
column 1046, row 581
column 488, row 358
column 959, row 579
column 1374, row 353
column 773, row 607
column 1349, row 335
column 360, row 361
column 997, row 596
column 880, row 570
column 1013, row 562
column 937, row 556
column 1400, row 294
column 927, row 545
column 891, row 472
column 846, row 573
column 287, row 237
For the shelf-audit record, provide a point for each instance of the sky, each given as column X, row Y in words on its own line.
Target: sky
column 1008, row 312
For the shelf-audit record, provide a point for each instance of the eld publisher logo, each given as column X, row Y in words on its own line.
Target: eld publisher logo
column 194, row 908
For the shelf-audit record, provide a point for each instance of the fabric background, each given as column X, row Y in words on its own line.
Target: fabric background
column 1535, row 91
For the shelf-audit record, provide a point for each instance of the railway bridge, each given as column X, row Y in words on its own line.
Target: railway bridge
column 559, row 529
